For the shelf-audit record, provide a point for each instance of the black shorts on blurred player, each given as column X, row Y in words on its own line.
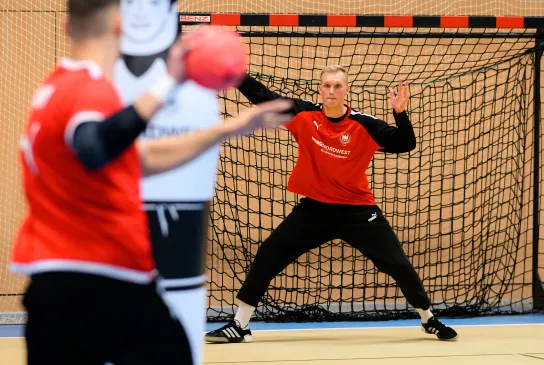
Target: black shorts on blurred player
column 86, row 320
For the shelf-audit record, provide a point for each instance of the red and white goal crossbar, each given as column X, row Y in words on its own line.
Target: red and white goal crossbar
column 404, row 21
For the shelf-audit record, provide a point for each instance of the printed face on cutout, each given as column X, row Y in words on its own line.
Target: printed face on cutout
column 144, row 20
column 149, row 26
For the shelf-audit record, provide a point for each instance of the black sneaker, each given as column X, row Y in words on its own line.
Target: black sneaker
column 435, row 327
column 230, row 333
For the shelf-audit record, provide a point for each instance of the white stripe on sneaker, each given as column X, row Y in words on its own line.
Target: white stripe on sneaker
column 233, row 332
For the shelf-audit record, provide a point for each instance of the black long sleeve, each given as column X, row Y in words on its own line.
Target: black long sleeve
column 257, row 93
column 392, row 139
column 98, row 142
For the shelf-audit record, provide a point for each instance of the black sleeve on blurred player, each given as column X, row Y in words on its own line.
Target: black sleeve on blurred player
column 397, row 139
column 98, row 142
column 257, row 93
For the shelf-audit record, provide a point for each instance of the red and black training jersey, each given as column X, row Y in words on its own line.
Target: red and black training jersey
column 334, row 153
column 79, row 220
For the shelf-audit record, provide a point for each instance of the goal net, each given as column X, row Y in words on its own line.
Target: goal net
column 461, row 203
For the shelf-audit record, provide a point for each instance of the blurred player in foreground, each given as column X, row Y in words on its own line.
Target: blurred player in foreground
column 336, row 144
column 85, row 243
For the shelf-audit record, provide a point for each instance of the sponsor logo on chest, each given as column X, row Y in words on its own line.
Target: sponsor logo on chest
column 330, row 150
column 329, row 141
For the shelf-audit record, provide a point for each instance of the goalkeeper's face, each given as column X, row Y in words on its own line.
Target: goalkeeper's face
column 333, row 89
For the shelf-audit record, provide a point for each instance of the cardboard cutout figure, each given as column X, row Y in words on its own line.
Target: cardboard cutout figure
column 177, row 202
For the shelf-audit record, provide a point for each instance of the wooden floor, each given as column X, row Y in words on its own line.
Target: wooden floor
column 479, row 345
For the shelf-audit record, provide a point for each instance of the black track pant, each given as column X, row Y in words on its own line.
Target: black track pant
column 84, row 319
column 312, row 224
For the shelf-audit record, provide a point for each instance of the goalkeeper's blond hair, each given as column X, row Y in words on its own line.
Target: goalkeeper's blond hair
column 333, row 69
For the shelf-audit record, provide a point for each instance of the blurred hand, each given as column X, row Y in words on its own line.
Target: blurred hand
column 176, row 60
column 271, row 114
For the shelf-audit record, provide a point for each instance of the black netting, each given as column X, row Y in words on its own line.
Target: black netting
column 461, row 203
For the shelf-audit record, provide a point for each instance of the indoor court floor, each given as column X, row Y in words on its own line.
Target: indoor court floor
column 486, row 340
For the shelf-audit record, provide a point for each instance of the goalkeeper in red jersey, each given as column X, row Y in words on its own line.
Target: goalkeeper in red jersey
column 336, row 144
column 85, row 243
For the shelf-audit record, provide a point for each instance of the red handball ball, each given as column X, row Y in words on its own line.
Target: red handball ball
column 217, row 58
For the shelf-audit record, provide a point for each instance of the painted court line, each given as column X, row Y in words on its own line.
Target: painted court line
column 357, row 358
column 323, row 327
column 394, row 327
column 532, row 356
column 359, row 328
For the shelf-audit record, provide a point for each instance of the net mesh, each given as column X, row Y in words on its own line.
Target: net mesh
column 30, row 43
column 445, row 84
column 461, row 203
column 541, row 180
